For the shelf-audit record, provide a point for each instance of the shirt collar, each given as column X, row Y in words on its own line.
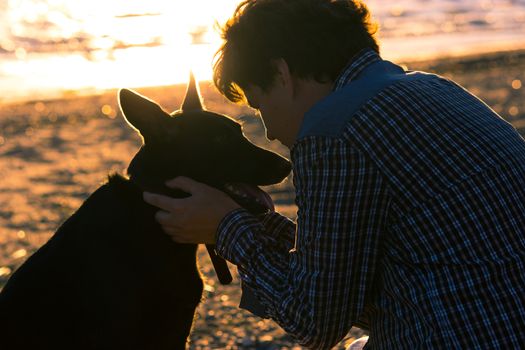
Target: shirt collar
column 356, row 65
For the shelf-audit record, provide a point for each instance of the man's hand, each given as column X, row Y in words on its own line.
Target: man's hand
column 193, row 219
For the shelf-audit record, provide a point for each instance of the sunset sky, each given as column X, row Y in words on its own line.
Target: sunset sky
column 98, row 44
column 102, row 44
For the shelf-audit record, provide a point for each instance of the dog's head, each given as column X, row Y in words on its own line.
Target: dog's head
column 196, row 143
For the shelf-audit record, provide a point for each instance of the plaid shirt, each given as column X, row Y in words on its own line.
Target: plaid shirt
column 411, row 222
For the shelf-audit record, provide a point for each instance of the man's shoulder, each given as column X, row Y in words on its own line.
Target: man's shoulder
column 330, row 116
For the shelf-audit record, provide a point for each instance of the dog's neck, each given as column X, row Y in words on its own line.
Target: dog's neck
column 155, row 185
column 151, row 184
column 147, row 181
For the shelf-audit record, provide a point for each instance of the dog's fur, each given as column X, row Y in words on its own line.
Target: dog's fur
column 110, row 278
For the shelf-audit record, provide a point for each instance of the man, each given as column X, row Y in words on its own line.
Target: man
column 411, row 191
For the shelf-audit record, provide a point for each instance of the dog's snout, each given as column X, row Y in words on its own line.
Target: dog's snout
column 286, row 166
column 282, row 169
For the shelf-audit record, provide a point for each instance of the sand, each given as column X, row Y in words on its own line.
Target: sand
column 53, row 154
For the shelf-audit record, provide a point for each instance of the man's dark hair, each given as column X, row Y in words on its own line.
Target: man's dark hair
column 316, row 38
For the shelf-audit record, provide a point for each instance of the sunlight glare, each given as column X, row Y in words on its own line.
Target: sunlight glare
column 109, row 43
column 4, row 271
column 20, row 253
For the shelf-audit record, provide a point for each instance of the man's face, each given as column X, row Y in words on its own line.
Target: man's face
column 277, row 109
column 283, row 105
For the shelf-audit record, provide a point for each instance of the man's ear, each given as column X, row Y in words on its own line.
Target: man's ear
column 144, row 115
column 284, row 76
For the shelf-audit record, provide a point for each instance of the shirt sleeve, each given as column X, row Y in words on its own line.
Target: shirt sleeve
column 317, row 290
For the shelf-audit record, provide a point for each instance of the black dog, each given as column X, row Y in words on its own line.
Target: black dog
column 110, row 278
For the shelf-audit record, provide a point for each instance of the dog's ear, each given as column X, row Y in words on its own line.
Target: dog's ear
column 192, row 101
column 142, row 113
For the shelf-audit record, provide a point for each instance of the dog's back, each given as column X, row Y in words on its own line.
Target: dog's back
column 108, row 279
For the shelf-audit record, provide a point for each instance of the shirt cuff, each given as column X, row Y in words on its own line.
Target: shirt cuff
column 236, row 231
column 238, row 224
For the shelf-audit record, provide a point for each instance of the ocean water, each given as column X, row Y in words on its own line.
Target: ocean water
column 52, row 47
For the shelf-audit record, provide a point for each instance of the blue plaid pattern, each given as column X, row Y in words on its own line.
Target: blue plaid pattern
column 411, row 224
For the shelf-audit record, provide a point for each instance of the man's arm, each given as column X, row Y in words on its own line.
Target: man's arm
column 318, row 290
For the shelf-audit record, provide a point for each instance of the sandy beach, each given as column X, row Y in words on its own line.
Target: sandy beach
column 54, row 153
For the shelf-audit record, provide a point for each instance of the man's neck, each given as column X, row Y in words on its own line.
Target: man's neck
column 307, row 94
